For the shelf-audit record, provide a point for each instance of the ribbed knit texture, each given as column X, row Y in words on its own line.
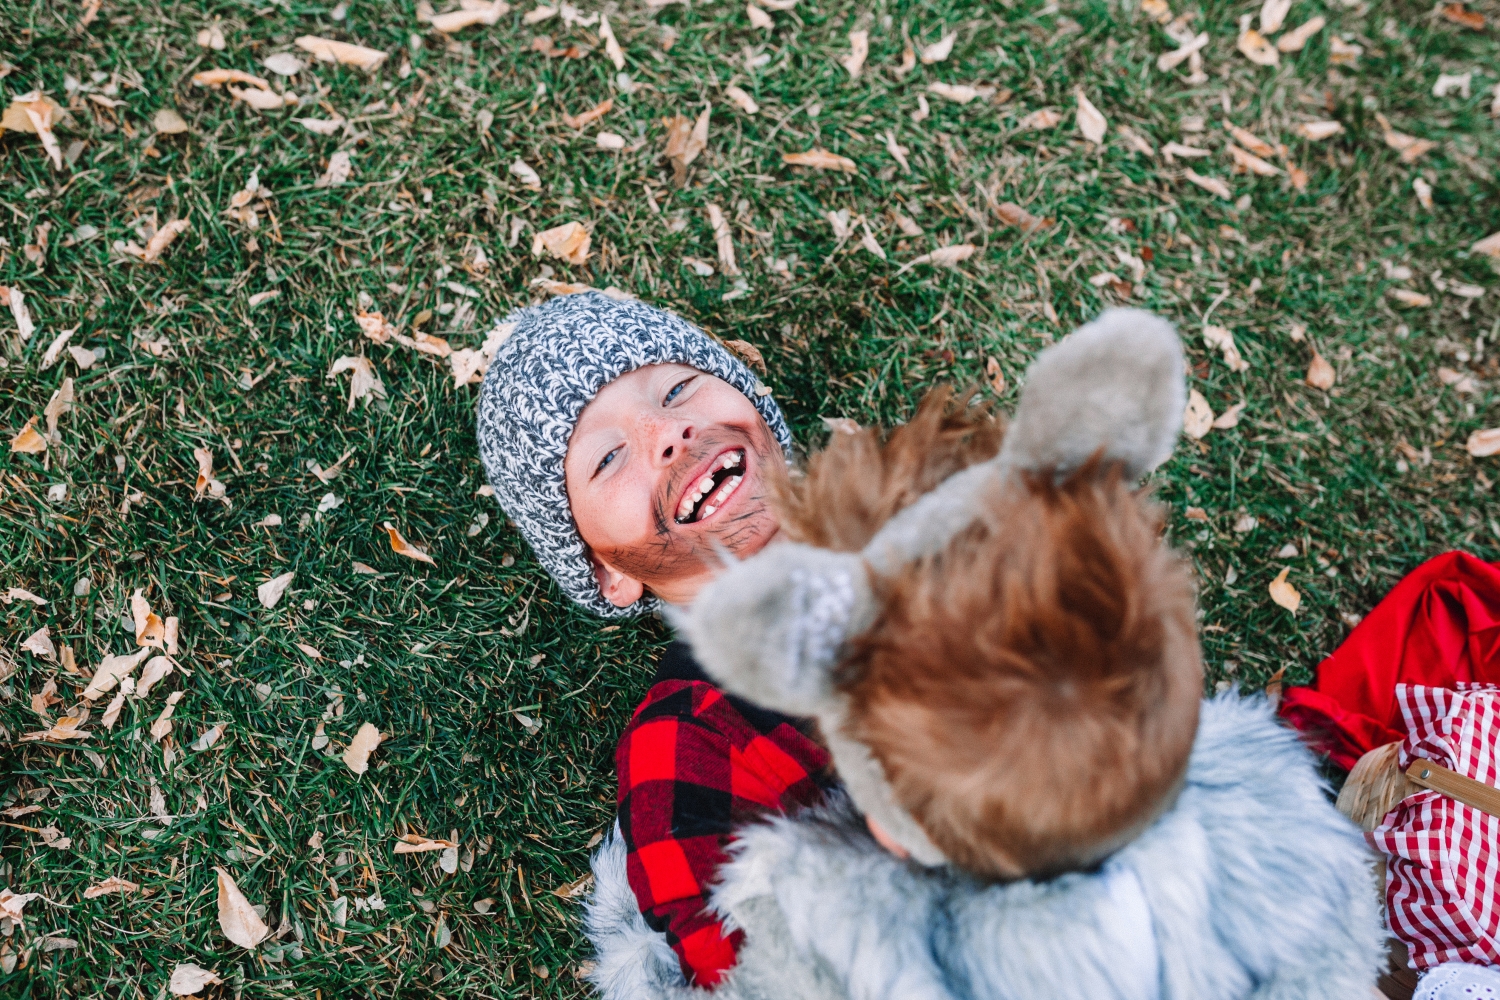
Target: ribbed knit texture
column 559, row 356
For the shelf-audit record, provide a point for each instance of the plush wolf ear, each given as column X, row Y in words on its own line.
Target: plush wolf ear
column 1116, row 385
column 771, row 628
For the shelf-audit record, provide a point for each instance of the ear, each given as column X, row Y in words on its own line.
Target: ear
column 771, row 628
column 618, row 589
column 1115, row 384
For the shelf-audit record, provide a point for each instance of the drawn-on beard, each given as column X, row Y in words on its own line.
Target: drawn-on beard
column 681, row 550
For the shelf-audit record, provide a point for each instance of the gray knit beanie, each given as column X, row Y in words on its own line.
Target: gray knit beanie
column 559, row 355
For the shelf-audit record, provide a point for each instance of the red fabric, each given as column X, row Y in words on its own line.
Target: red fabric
column 1444, row 871
column 693, row 766
column 1439, row 627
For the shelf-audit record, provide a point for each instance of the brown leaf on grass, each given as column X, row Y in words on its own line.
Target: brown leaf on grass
column 685, row 142
column 939, row 50
column 402, row 547
column 44, row 699
column 1320, row 374
column 1489, row 246
column 111, row 670
column 592, row 114
column 374, row 326
column 723, row 240
column 1411, row 299
column 149, row 629
column 65, row 728
column 1043, row 119
column 169, row 122
column 1409, row 147
column 163, row 724
column 1255, row 47
column 19, row 312
column 414, row 843
column 1212, row 185
column 1169, row 61
column 1459, row 381
column 1273, row 15
column 1158, row 10
column 328, row 50
column 27, row 441
column 363, row 382
column 1483, row 444
column 113, row 884
column 749, row 352
column 61, row 402
column 568, row 242
column 340, row 166
column 611, row 44
column 1246, row 161
column 269, row 593
column 484, row 13
column 1284, row 593
column 1463, row 16
column 742, row 100
column 205, row 485
column 159, row 242
column 758, row 18
column 189, row 979
column 261, row 100
column 820, row 159
column 1014, row 215
column 20, row 594
column 1341, row 53
column 1229, row 418
column 357, row 755
column 1091, row 121
column 237, row 918
column 1318, row 131
column 1273, row 687
column 1250, row 140
column 40, row 644
column 859, row 51
column 1198, row 417
column 576, row 888
column 949, row 256
column 994, row 376
column 217, row 77
column 1296, row 39
column 958, row 93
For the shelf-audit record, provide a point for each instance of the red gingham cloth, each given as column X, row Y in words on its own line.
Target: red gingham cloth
column 695, row 763
column 1444, row 856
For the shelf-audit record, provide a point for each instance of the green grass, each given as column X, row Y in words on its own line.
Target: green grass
column 424, row 652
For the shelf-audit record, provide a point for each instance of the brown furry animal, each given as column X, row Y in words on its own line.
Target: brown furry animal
column 1031, row 691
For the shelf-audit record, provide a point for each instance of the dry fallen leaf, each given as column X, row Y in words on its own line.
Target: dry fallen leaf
column 217, row 77
column 20, row 594
column 592, row 114
column 749, row 352
column 413, row 843
column 1250, row 140
column 65, row 728
column 40, row 644
column 20, row 313
column 270, row 592
column 1463, row 16
column 1318, row 131
column 206, row 485
column 483, row 13
column 357, row 756
column 113, row 884
column 1410, row 147
column 1482, row 444
column 1273, row 15
column 1320, row 374
column 402, row 547
column 163, row 724
column 12, row 903
column 949, row 256
column 1169, row 61
column 155, row 669
column 1229, row 418
column 237, row 918
column 60, row 403
column 576, row 888
column 723, row 239
column 189, row 979
column 1411, row 299
column 685, row 142
column 1249, row 162
column 1210, row 184
column 111, row 670
column 363, row 382
column 149, row 629
column 742, row 100
column 1284, row 593
column 169, row 122
column 859, row 50
column 260, row 100
column 1014, row 215
column 939, row 50
column 820, row 159
column 1341, row 53
column 1198, row 418
column 340, row 166
column 958, row 93
column 1221, row 338
column 568, row 242
column 1255, row 47
column 1490, row 245
column 1045, row 118
column 328, row 50
column 1296, row 39
column 1091, row 122
column 27, row 441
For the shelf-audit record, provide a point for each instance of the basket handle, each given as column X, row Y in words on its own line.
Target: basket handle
column 1483, row 797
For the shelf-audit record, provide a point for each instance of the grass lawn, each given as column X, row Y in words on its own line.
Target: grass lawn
column 501, row 703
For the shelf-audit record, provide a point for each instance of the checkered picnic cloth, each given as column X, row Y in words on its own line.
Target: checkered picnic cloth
column 1444, row 856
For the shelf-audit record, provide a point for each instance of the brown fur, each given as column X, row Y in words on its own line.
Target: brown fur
column 858, row 482
column 1032, row 690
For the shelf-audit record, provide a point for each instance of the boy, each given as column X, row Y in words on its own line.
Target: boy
column 631, row 449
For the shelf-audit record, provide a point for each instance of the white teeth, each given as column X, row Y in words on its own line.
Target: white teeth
column 705, row 485
column 732, row 459
column 708, row 510
column 726, row 489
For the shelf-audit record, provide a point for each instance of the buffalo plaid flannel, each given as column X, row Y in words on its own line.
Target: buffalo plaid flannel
column 695, row 763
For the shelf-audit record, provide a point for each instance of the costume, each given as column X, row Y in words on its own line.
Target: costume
column 1249, row 884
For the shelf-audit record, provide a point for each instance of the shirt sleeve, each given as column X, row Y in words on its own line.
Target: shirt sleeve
column 676, row 816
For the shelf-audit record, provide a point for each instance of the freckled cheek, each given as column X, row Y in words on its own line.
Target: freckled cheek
column 622, row 513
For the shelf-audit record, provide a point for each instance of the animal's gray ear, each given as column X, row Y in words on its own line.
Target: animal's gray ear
column 1116, row 383
column 772, row 627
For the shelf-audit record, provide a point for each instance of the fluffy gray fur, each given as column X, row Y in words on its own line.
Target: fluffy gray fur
column 772, row 628
column 1255, row 885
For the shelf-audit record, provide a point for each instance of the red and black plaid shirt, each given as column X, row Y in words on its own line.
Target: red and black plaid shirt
column 694, row 764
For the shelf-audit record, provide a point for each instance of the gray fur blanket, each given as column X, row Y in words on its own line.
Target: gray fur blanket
column 1252, row 885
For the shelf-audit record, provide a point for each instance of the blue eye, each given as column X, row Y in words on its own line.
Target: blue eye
column 676, row 389
column 606, row 460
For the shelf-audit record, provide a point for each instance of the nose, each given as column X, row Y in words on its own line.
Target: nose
column 671, row 437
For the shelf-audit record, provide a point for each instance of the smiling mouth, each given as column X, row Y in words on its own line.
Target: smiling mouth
column 713, row 489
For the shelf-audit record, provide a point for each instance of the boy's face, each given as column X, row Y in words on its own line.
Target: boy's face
column 665, row 464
